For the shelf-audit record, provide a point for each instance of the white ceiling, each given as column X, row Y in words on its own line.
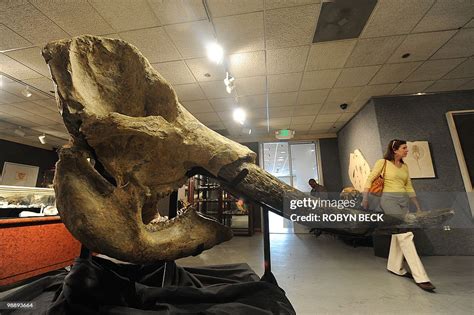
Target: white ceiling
column 268, row 45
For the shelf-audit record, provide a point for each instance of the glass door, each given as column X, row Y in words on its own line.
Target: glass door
column 293, row 164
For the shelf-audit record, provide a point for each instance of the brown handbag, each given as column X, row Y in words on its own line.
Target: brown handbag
column 377, row 185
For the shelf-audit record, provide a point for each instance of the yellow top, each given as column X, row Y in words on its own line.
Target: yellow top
column 396, row 179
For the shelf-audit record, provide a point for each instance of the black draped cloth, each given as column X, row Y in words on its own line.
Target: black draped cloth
column 98, row 285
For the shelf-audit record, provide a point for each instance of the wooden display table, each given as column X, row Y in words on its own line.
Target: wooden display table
column 33, row 246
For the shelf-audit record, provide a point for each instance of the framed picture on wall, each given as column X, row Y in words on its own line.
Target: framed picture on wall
column 461, row 127
column 15, row 174
column 419, row 160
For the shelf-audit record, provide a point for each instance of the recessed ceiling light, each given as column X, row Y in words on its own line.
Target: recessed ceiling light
column 406, row 55
column 215, row 52
column 207, row 75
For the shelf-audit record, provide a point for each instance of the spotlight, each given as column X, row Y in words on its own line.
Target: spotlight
column 42, row 139
column 239, row 115
column 215, row 52
column 229, row 83
column 26, row 92
column 19, row 132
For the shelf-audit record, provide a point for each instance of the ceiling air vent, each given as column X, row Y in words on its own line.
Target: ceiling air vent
column 342, row 19
column 223, row 132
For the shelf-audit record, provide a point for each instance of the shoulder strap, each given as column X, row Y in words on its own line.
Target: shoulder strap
column 383, row 169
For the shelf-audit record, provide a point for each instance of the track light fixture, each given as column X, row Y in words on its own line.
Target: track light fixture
column 26, row 92
column 229, row 82
column 42, row 139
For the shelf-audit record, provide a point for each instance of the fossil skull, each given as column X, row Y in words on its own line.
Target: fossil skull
column 132, row 143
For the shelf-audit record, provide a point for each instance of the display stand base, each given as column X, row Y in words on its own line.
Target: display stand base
column 98, row 285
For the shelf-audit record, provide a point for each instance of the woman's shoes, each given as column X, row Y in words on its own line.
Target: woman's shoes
column 427, row 286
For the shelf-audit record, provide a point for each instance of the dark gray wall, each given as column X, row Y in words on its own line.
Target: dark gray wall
column 25, row 154
column 361, row 133
column 330, row 164
column 419, row 118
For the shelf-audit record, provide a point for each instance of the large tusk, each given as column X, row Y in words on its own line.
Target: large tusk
column 262, row 187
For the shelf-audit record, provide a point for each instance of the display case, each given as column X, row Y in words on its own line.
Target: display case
column 18, row 202
column 212, row 200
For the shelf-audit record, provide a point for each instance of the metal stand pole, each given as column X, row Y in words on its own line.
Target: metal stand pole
column 266, row 242
column 169, row 267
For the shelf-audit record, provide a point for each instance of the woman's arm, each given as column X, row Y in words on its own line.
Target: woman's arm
column 376, row 171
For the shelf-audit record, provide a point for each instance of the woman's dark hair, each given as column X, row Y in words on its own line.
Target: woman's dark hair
column 393, row 146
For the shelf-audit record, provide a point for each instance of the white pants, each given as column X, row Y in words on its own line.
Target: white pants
column 402, row 246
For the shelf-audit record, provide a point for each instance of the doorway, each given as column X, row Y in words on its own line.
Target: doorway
column 293, row 164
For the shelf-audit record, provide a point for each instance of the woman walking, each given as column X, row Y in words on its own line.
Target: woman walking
column 397, row 192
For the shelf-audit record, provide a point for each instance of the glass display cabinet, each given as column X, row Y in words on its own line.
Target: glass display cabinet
column 19, row 202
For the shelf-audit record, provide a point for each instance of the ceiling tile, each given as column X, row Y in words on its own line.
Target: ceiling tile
column 8, row 98
column 322, row 79
column 247, row 64
column 31, row 24
column 330, row 118
column 9, row 39
column 214, row 89
column 300, row 127
column 252, row 101
column 395, row 17
column 411, row 87
column 32, row 58
column 202, row 66
column 319, row 127
column 6, row 125
column 191, row 38
column 37, row 119
column 446, row 85
column 16, row 69
column 201, row 106
column 329, row 55
column 125, row 15
column 153, row 43
column 290, row 26
column 232, row 7
column 255, row 113
column 11, row 110
column 250, row 86
column 356, row 76
column 299, row 120
column 44, row 84
column 468, row 86
column 460, row 45
column 333, row 107
column 285, row 60
column 343, row 95
column 446, row 14
column 275, row 4
column 223, row 104
column 373, row 51
column 241, row 33
column 470, row 24
column 464, row 70
column 282, row 99
column 396, row 72
column 215, row 125
column 35, row 108
column 280, row 121
column 345, row 117
column 307, row 109
column 312, row 97
column 227, row 118
column 207, row 117
column 420, row 46
column 175, row 72
column 20, row 121
column 288, row 82
column 434, row 69
column 375, row 90
column 281, row 113
column 189, row 92
column 75, row 17
column 16, row 89
column 170, row 12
